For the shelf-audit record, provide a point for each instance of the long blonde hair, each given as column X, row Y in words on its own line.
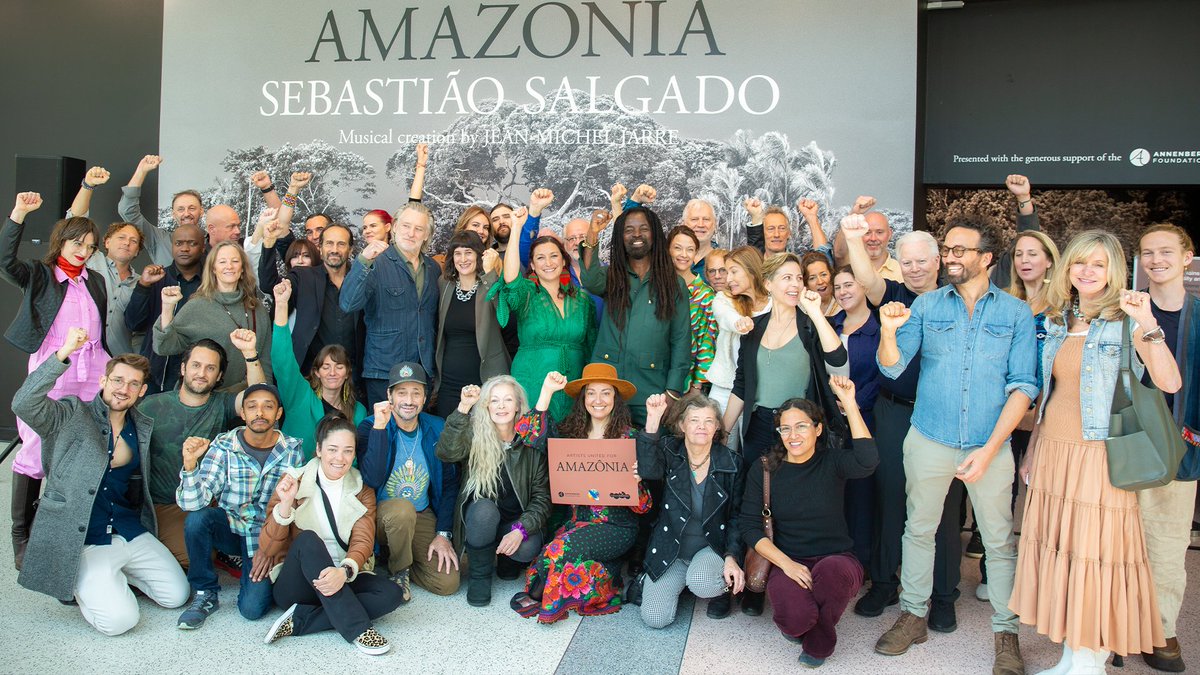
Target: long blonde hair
column 487, row 450
column 1060, row 294
column 1016, row 287
column 751, row 260
column 247, row 282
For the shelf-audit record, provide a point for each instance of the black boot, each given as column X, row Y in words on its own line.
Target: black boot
column 25, row 493
column 752, row 603
column 719, row 607
column 509, row 569
column 633, row 594
column 480, row 564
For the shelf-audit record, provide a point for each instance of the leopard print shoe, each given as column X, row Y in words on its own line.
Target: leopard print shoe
column 372, row 643
column 282, row 627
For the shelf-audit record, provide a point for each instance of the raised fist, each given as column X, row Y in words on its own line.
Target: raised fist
column 97, row 175
column 491, row 260
column 383, row 413
column 618, row 194
column 600, row 220
column 372, row 250
column 854, row 226
column 468, row 399
column 152, row 274
column 555, row 381
column 519, row 217
column 1019, row 186
column 656, row 406
column 171, row 296
column 76, row 338
column 149, row 163
column 282, row 292
column 755, row 208
column 27, row 202
column 539, row 200
column 863, row 204
column 743, row 325
column 261, row 180
column 299, row 180
column 286, row 488
column 644, row 194
column 843, row 387
column 266, row 217
column 810, row 302
column 243, row 340
column 422, row 154
column 893, row 315
column 808, row 208
column 193, row 449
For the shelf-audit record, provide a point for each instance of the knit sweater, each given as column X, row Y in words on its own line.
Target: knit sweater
column 215, row 318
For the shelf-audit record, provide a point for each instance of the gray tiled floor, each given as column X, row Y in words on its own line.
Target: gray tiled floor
column 436, row 635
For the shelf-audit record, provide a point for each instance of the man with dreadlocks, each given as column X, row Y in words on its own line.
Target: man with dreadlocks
column 645, row 332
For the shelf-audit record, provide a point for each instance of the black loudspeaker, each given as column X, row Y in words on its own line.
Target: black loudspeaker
column 57, row 179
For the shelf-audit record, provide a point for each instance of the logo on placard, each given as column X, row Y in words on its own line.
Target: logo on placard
column 1139, row 157
column 594, row 495
column 619, row 495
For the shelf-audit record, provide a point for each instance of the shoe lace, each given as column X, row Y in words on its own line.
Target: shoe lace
column 200, row 601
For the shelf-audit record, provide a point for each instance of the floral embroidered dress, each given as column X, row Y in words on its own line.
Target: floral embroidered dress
column 580, row 567
column 549, row 340
column 704, row 330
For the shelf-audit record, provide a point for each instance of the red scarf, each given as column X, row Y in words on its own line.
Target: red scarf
column 70, row 270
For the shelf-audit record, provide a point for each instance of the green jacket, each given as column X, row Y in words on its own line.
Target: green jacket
column 303, row 406
column 527, row 468
column 654, row 355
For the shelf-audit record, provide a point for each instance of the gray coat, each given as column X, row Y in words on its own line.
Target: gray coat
column 75, row 457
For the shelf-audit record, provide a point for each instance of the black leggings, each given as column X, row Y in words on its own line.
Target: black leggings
column 350, row 611
column 483, row 529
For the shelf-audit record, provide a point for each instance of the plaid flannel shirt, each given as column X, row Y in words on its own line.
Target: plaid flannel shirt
column 229, row 474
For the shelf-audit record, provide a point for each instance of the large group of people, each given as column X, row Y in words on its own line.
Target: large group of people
column 334, row 418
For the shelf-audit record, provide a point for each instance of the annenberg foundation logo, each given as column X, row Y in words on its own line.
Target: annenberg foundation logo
column 1139, row 157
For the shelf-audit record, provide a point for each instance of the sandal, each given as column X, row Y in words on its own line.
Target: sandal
column 522, row 603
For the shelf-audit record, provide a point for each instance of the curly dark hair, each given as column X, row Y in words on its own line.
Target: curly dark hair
column 777, row 452
column 663, row 278
column 578, row 421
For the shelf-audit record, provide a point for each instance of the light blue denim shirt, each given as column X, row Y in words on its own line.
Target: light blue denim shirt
column 969, row 363
column 1098, row 375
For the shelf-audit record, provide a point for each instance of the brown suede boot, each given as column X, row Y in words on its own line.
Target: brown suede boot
column 1008, row 655
column 908, row 630
column 1168, row 659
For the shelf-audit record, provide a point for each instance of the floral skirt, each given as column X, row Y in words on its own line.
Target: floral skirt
column 580, row 569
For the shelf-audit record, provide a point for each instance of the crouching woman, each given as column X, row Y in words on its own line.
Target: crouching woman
column 319, row 538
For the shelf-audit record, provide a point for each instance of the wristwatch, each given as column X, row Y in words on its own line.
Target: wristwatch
column 447, row 535
column 1154, row 336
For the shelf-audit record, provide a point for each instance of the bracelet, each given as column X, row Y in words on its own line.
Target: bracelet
column 269, row 188
column 1021, row 204
column 1156, row 336
column 671, row 395
column 289, row 199
column 83, row 184
column 585, row 244
column 521, row 528
column 253, row 359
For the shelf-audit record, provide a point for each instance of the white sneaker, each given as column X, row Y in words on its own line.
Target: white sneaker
column 1064, row 664
column 981, row 593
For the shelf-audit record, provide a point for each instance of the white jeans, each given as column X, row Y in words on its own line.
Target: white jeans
column 106, row 572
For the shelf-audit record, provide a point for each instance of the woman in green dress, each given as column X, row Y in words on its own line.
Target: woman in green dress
column 556, row 320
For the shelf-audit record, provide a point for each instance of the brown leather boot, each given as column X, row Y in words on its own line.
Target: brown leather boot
column 1168, row 659
column 1008, row 655
column 908, row 630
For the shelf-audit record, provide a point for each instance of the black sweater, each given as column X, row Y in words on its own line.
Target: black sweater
column 807, row 500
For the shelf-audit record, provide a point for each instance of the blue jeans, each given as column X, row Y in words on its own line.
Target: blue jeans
column 208, row 529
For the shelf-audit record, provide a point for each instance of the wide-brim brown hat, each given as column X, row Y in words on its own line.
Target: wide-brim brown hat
column 603, row 373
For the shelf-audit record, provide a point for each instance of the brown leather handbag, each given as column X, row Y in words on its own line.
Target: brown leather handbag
column 758, row 567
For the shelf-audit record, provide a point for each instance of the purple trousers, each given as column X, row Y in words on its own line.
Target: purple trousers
column 812, row 614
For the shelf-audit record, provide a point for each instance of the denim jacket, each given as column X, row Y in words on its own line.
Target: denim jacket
column 970, row 364
column 1098, row 378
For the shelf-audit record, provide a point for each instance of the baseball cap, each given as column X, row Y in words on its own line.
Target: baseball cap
column 407, row 371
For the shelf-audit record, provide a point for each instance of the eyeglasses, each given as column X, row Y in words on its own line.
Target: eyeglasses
column 957, row 251
column 801, row 428
column 121, row 383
